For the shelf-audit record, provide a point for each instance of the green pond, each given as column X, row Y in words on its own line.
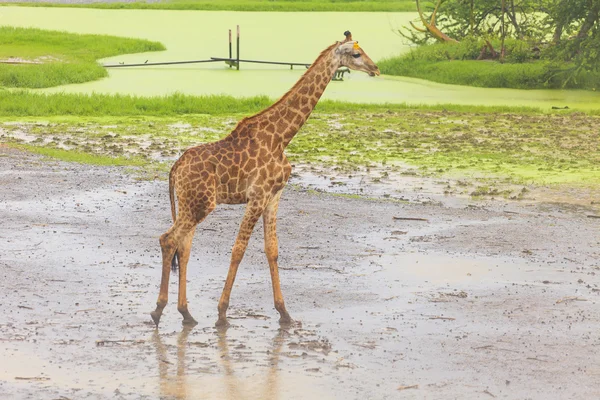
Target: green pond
column 290, row 37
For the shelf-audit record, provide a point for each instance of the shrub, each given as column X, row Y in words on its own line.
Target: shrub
column 456, row 63
column 517, row 51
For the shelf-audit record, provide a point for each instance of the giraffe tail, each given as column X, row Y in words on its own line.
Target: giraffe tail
column 175, row 260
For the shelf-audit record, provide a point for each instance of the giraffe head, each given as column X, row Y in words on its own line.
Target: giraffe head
column 351, row 55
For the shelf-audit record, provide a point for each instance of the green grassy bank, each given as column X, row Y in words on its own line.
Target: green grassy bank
column 455, row 63
column 59, row 58
column 250, row 5
column 22, row 103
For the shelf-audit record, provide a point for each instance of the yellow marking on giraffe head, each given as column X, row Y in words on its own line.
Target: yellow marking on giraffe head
column 356, row 46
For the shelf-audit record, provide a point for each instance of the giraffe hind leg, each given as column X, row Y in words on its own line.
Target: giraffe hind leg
column 170, row 241
column 168, row 249
column 176, row 243
column 184, row 250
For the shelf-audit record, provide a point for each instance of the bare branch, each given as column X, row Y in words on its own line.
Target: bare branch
column 431, row 28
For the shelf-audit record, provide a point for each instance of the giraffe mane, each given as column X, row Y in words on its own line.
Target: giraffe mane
column 316, row 62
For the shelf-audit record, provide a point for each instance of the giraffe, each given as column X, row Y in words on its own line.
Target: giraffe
column 249, row 167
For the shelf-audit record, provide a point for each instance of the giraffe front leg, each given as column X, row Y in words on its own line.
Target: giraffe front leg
column 251, row 216
column 272, row 251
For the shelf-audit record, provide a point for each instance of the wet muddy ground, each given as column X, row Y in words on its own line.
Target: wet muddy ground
column 405, row 155
column 469, row 300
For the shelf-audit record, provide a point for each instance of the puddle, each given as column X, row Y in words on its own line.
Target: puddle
column 394, row 257
column 423, row 269
column 257, row 362
column 403, row 184
column 586, row 198
column 28, row 365
column 247, row 369
column 378, row 181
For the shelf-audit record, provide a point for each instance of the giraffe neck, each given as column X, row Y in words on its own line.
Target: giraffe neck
column 290, row 113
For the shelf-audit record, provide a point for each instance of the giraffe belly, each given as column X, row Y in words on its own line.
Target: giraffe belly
column 235, row 198
column 226, row 194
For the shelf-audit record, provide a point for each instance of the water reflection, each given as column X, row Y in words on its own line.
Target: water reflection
column 172, row 386
column 230, row 379
column 221, row 381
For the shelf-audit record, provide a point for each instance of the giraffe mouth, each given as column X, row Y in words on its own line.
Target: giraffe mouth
column 375, row 73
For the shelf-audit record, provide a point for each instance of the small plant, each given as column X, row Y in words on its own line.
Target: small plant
column 481, row 191
column 520, row 195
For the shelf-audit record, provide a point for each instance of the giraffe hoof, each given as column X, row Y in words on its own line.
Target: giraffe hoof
column 189, row 322
column 222, row 323
column 286, row 320
column 155, row 317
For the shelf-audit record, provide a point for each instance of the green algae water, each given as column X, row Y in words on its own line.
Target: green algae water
column 290, row 37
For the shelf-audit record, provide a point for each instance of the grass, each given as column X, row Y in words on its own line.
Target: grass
column 455, row 63
column 490, row 74
column 507, row 148
column 66, row 57
column 81, row 157
column 251, row 5
column 520, row 148
column 24, row 103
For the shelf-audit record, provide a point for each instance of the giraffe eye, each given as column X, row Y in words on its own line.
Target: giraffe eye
column 356, row 55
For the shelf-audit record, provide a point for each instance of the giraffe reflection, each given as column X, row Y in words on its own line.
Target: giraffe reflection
column 172, row 387
column 203, row 384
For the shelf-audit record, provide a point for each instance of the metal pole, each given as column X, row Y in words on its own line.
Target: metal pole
column 230, row 46
column 158, row 63
column 261, row 62
column 238, row 48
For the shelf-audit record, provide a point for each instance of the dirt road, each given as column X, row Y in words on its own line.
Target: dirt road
column 482, row 300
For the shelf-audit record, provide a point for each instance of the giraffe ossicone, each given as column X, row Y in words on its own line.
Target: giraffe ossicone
column 248, row 166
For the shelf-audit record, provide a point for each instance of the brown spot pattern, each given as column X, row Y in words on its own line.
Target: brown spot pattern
column 247, row 166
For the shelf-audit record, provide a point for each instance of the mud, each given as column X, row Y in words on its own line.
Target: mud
column 337, row 155
column 477, row 300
